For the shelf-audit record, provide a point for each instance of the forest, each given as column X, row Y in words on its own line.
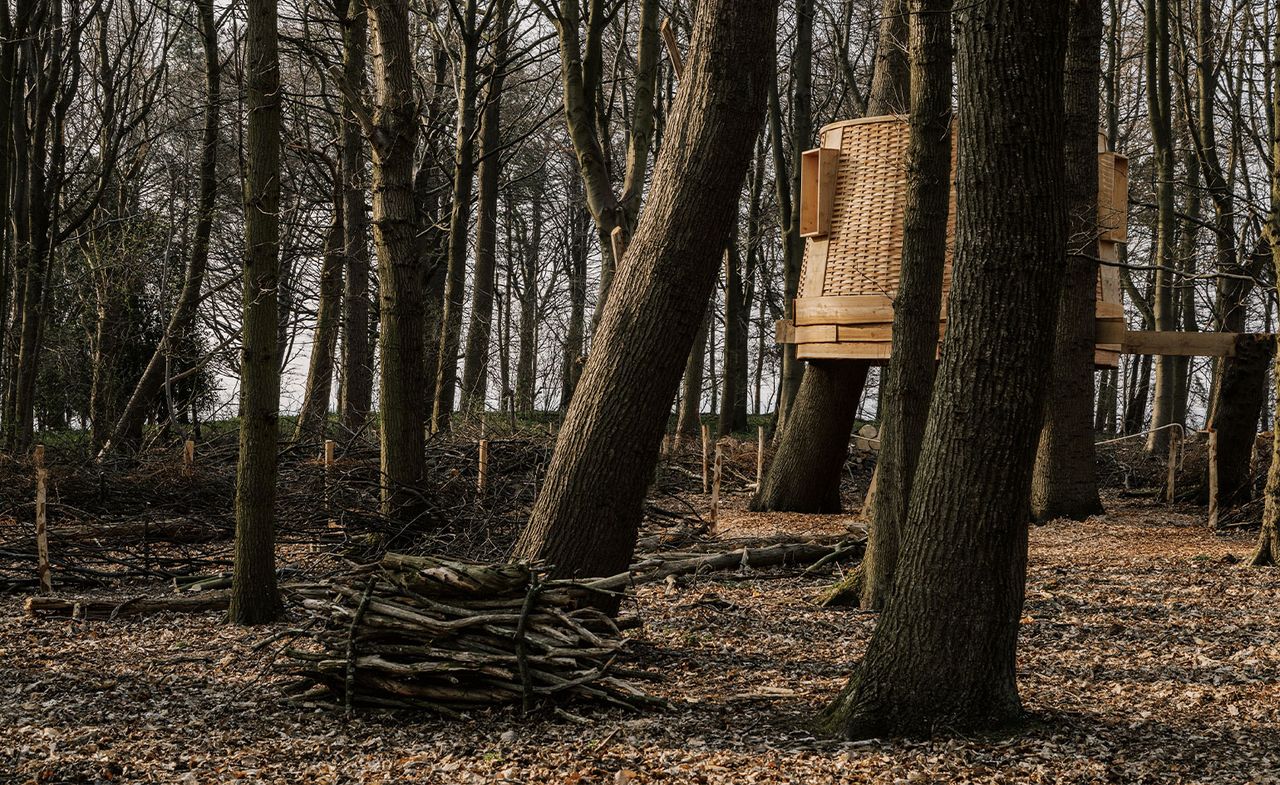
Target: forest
column 630, row 391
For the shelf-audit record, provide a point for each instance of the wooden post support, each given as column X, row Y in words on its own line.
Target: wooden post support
column 706, row 455
column 759, row 455
column 328, row 482
column 189, row 457
column 1213, row 478
column 618, row 244
column 673, row 48
column 482, row 478
column 1171, row 483
column 42, row 521
column 715, row 489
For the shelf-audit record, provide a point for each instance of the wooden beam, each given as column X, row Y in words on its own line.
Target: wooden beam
column 673, row 48
column 1179, row 344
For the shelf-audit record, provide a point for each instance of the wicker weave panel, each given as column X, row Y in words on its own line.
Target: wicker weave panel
column 865, row 251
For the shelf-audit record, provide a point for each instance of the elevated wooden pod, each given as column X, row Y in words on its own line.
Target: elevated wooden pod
column 852, row 204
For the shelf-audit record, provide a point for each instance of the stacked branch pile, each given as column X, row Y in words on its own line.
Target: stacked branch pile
column 422, row 632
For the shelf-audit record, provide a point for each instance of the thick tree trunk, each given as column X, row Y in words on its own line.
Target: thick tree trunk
column 394, row 134
column 588, row 513
column 1065, row 483
column 820, row 420
column 943, row 653
column 804, row 475
column 526, row 359
column 355, row 396
column 313, row 416
column 255, row 597
column 1243, row 393
column 908, row 380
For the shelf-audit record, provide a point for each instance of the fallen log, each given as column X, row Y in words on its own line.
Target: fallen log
column 99, row 610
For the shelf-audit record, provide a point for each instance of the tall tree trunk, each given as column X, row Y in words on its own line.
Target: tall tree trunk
column 255, row 598
column 733, row 400
column 356, row 391
column 576, row 274
column 689, row 420
column 459, row 221
column 128, row 428
column 908, row 381
column 1065, row 482
column 313, row 416
column 624, row 396
column 475, row 369
column 1159, row 108
column 393, row 136
column 818, row 430
column 526, row 359
column 943, row 653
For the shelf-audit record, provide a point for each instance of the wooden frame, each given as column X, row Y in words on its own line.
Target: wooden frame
column 818, row 168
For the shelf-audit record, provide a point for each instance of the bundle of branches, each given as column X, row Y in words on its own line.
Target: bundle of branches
column 424, row 632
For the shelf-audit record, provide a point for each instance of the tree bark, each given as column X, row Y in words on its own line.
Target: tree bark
column 1159, row 108
column 943, row 653
column 313, row 416
column 733, row 400
column 475, row 368
column 393, row 136
column 908, row 380
column 356, row 390
column 1065, row 482
column 255, row 597
column 586, row 519
column 689, row 420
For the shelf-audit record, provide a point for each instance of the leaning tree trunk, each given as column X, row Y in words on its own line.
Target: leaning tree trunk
column 943, row 653
column 586, row 519
column 689, row 419
column 733, row 400
column 819, row 429
column 1065, row 482
column 313, row 415
column 255, row 598
column 1243, row 393
column 908, row 381
column 128, row 427
column 393, row 135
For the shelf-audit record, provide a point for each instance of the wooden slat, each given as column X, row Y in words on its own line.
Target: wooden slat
column 866, row 332
column 844, row 309
column 1180, row 344
column 817, row 333
column 860, row 350
column 1110, row 311
column 1109, row 331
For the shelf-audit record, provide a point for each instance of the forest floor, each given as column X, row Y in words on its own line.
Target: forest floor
column 1148, row 653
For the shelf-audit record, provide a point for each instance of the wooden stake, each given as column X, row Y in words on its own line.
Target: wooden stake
column 673, row 48
column 42, row 521
column 482, row 479
column 1213, row 478
column 715, row 490
column 1175, row 442
column 759, row 455
column 328, row 482
column 189, row 457
column 618, row 244
column 706, row 479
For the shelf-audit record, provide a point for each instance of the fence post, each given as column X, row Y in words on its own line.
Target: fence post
column 759, row 455
column 706, row 456
column 42, row 521
column 1175, row 442
column 328, row 482
column 189, row 457
column 1213, row 478
column 482, row 478
column 715, row 489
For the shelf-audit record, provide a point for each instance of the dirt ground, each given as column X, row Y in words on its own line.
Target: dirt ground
column 1148, row 654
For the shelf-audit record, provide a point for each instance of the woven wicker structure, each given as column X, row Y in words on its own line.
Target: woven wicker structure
column 853, row 201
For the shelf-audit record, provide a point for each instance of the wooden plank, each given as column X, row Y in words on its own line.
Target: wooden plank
column 860, row 350
column 818, row 168
column 817, row 333
column 1180, row 344
column 784, row 331
column 1109, row 331
column 844, row 309
column 868, row 332
column 1110, row 310
column 815, row 266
